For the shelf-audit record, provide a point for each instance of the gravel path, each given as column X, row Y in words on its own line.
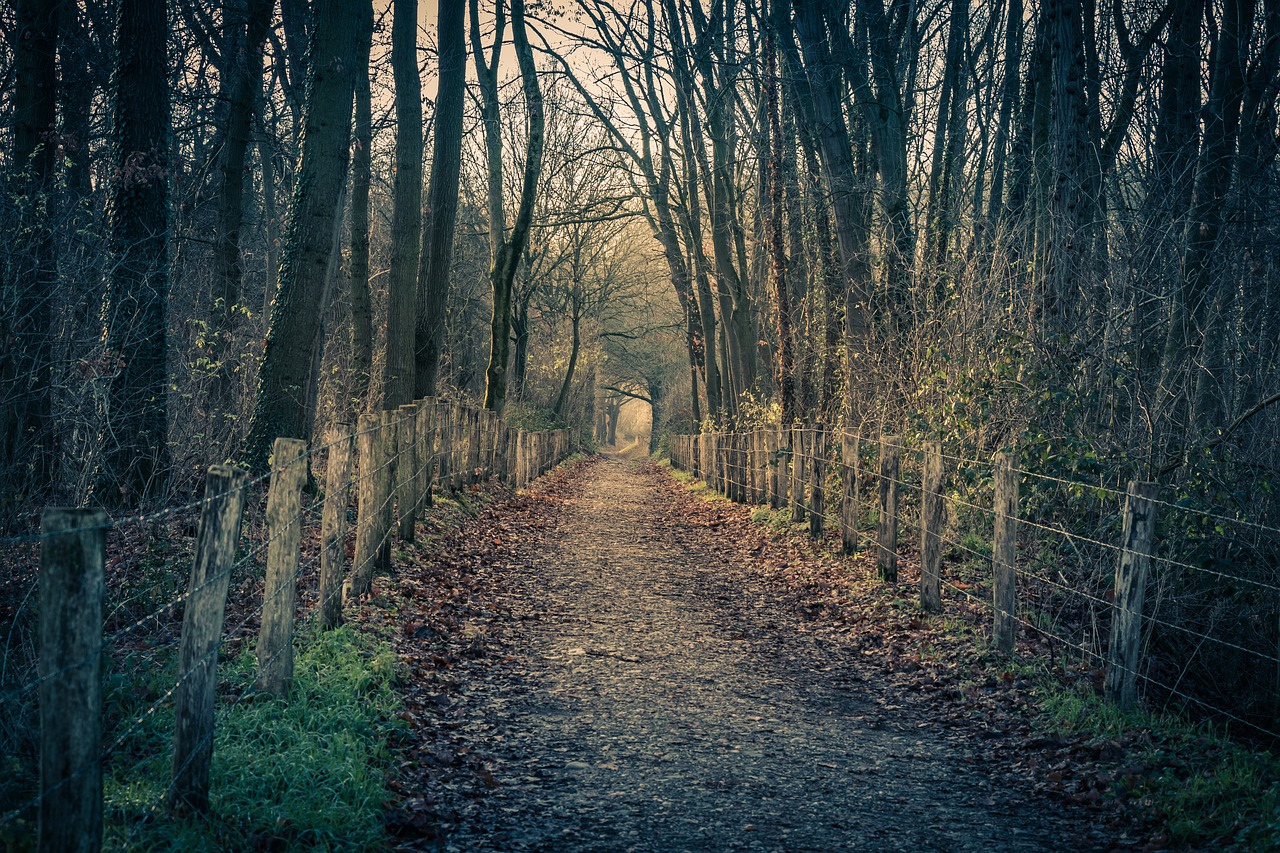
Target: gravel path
column 651, row 699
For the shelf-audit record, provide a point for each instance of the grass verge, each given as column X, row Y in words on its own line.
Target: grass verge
column 308, row 772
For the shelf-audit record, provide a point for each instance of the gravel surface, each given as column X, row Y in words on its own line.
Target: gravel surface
column 640, row 691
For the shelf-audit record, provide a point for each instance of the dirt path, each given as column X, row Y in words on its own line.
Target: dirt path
column 624, row 687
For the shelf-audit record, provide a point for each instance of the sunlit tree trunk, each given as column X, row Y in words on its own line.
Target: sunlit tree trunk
column 442, row 199
column 503, row 272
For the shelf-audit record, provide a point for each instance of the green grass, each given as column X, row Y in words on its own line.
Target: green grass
column 1209, row 788
column 304, row 773
column 778, row 520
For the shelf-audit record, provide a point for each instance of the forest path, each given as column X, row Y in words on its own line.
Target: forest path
column 616, row 681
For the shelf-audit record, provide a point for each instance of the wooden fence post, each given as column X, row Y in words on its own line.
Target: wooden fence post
column 474, row 443
column 391, row 473
column 849, row 508
column 797, row 474
column 771, row 470
column 426, row 453
column 202, row 619
column 444, row 465
column 931, row 520
column 818, row 483
column 522, row 459
column 458, row 436
column 333, row 526
column 1131, row 587
column 1004, row 554
column 72, row 589
column 887, row 528
column 284, row 532
column 368, row 511
column 783, row 440
column 513, row 458
column 407, row 467
column 761, row 467
column 502, row 437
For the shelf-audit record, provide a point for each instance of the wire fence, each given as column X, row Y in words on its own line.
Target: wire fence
column 270, row 542
column 1174, row 603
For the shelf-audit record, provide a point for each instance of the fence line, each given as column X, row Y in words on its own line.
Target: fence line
column 802, row 465
column 429, row 445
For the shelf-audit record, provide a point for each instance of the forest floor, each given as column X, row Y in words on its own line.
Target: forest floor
column 611, row 661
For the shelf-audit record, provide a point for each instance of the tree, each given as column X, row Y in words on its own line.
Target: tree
column 508, row 251
column 406, row 224
column 135, row 453
column 442, row 199
column 296, row 313
column 28, row 441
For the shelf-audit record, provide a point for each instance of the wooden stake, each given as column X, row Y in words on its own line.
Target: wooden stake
column 72, row 585
column 333, row 526
column 931, row 521
column 1004, row 553
column 389, row 436
column 887, row 529
column 426, row 452
column 1131, row 587
column 202, row 620
column 366, row 555
column 797, row 474
column 817, row 482
column 284, row 531
column 407, row 466
column 849, row 509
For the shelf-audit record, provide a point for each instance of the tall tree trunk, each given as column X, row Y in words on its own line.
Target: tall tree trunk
column 358, row 272
column 1200, row 288
column 847, row 202
column 241, row 92
column 1008, row 96
column 520, row 334
column 948, row 134
column 135, row 453
column 504, row 269
column 296, row 312
column 442, row 199
column 562, row 399
column 28, row 440
column 406, row 224
column 784, row 358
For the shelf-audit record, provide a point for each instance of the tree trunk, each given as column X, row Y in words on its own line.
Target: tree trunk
column 847, row 202
column 504, row 270
column 358, row 273
column 135, row 452
column 296, row 312
column 563, row 398
column 784, row 358
column 241, row 91
column 406, row 225
column 442, row 200
column 28, row 440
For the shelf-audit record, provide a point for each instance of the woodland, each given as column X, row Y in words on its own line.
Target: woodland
column 1035, row 223
column 1041, row 225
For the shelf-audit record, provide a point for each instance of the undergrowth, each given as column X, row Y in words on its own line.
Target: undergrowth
column 303, row 773
column 1208, row 787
